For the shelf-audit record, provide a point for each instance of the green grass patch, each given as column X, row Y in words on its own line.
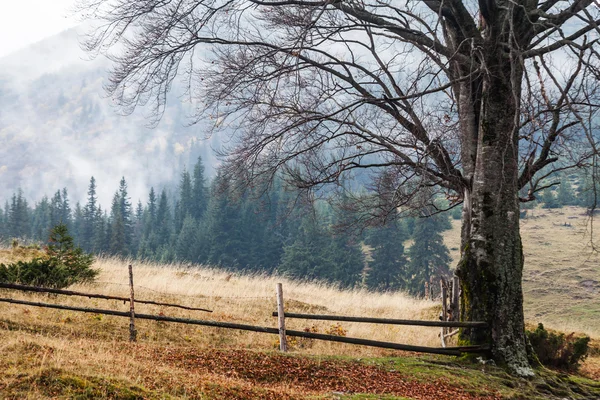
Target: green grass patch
column 58, row 384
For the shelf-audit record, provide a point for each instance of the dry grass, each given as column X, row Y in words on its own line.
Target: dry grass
column 41, row 345
column 234, row 298
column 251, row 299
column 61, row 345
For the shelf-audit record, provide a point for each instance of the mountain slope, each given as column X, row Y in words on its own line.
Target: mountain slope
column 57, row 128
column 561, row 279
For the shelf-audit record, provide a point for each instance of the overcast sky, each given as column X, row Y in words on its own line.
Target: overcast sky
column 23, row 22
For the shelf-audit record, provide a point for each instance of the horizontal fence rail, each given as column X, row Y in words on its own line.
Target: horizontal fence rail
column 36, row 289
column 452, row 351
column 451, row 324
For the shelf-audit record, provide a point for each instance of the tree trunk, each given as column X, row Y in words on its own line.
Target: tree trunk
column 492, row 256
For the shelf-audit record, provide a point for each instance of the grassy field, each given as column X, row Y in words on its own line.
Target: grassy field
column 48, row 354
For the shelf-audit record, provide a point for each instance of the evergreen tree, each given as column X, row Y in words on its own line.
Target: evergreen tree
column 18, row 217
column 56, row 213
column 387, row 269
column 185, row 204
column 200, row 192
column 78, row 222
column 90, row 218
column 223, row 233
column 100, row 240
column 307, row 257
column 185, row 246
column 117, row 241
column 266, row 247
column 41, row 220
column 138, row 227
column 151, row 207
column 65, row 209
column 429, row 256
column 549, row 199
column 3, row 224
column 149, row 239
column 126, row 217
column 346, row 259
column 345, row 252
column 565, row 194
column 164, row 219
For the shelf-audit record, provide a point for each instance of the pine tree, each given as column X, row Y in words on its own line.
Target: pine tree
column 200, row 192
column 151, row 207
column 565, row 195
column 41, row 220
column 267, row 229
column 138, row 227
column 345, row 251
column 78, row 223
column 3, row 224
column 589, row 192
column 18, row 217
column 387, row 269
column 307, row 257
column 65, row 209
column 90, row 220
column 56, row 205
column 429, row 256
column 100, row 240
column 549, row 199
column 126, row 217
column 148, row 241
column 164, row 224
column 223, row 230
column 185, row 246
column 5, row 227
column 117, row 241
column 346, row 259
column 184, row 205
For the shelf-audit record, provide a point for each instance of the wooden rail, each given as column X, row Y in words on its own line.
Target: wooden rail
column 453, row 351
column 25, row 288
column 451, row 324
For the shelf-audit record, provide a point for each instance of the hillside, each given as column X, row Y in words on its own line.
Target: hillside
column 61, row 354
column 561, row 279
column 53, row 106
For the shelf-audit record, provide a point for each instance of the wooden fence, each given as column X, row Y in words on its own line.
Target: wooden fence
column 280, row 330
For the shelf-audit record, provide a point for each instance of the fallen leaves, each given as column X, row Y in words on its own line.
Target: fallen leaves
column 309, row 374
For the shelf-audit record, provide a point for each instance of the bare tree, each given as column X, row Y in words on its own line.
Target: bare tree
column 479, row 99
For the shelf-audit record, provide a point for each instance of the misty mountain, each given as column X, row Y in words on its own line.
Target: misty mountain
column 58, row 128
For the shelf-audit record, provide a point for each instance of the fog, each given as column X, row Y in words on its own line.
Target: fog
column 58, row 128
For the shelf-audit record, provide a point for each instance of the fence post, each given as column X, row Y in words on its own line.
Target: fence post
column 455, row 298
column 444, row 300
column 132, row 331
column 281, row 319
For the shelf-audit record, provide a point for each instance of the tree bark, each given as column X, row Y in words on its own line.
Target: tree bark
column 492, row 256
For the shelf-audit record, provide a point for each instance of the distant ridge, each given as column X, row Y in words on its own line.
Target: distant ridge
column 58, row 128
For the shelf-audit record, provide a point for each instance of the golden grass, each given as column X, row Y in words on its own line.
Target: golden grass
column 19, row 253
column 251, row 299
column 41, row 341
column 38, row 340
column 248, row 299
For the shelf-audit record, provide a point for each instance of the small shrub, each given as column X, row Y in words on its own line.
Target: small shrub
column 63, row 265
column 557, row 350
